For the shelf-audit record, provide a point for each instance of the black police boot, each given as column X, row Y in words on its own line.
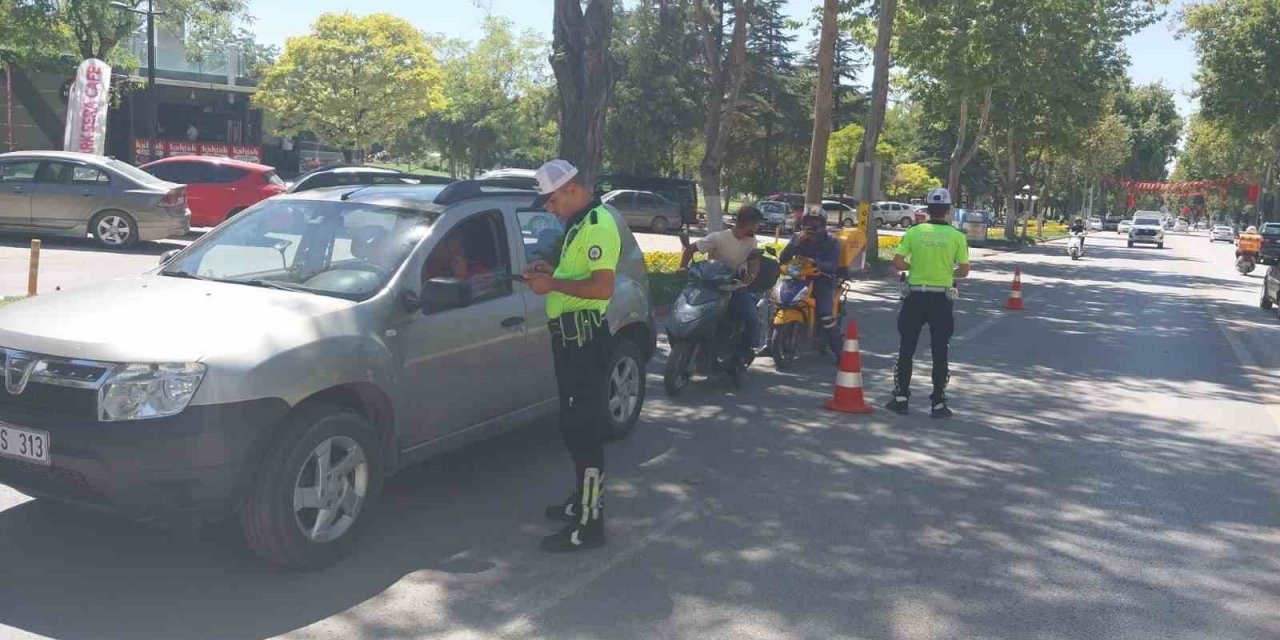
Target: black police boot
column 587, row 531
column 898, row 405
column 938, row 406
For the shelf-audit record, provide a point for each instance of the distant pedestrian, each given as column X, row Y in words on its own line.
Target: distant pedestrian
column 193, row 133
column 578, row 290
column 934, row 254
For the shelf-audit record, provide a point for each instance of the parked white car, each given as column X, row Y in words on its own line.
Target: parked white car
column 1124, row 226
column 1095, row 224
column 1223, row 233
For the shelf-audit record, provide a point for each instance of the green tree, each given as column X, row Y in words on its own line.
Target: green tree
column 658, row 99
column 911, row 180
column 1238, row 45
column 1151, row 115
column 30, row 33
column 97, row 28
column 484, row 84
column 353, row 81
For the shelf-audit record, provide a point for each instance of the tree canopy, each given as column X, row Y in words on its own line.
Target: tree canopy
column 354, row 81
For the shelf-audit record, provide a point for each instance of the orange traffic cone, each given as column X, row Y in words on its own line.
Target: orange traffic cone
column 1015, row 295
column 848, row 397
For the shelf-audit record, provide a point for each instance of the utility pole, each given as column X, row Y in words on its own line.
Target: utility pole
column 152, row 111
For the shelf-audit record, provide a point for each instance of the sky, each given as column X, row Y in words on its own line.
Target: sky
column 1156, row 55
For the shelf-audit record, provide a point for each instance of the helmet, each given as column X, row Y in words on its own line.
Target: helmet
column 1251, row 229
column 814, row 221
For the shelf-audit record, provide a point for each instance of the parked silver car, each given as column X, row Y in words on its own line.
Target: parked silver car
column 644, row 209
column 71, row 194
column 283, row 365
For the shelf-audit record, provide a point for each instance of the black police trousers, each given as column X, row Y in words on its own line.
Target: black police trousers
column 581, row 355
column 920, row 309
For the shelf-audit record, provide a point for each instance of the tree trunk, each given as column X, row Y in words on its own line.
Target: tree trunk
column 959, row 158
column 726, row 75
column 822, row 107
column 584, row 77
column 879, row 97
column 1010, row 181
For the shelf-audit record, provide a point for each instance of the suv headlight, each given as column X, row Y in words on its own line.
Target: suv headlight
column 141, row 391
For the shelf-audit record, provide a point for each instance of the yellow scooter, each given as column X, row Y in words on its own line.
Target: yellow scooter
column 794, row 331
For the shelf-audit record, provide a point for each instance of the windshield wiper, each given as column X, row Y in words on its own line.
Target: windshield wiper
column 187, row 275
column 275, row 284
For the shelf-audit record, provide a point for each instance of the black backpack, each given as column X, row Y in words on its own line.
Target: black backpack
column 768, row 274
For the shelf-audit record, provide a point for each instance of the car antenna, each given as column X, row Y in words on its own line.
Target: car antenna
column 346, row 196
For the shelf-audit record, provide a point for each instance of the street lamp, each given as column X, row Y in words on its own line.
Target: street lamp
column 151, row 14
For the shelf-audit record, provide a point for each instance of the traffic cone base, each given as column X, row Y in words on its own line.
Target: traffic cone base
column 1015, row 295
column 848, row 396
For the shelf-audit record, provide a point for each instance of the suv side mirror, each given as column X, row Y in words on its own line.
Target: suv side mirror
column 442, row 294
column 168, row 255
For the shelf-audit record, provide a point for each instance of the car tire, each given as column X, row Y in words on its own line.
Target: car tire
column 624, row 389
column 848, row 223
column 1130, row 244
column 906, row 223
column 273, row 515
column 1266, row 303
column 1159, row 245
column 114, row 229
column 659, row 225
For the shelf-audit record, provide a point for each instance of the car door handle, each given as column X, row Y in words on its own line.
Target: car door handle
column 512, row 322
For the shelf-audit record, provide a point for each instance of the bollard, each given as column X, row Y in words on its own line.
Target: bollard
column 33, row 273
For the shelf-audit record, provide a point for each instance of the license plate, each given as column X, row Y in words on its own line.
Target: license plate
column 24, row 444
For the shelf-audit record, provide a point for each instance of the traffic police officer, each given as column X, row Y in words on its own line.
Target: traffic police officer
column 578, row 292
column 934, row 254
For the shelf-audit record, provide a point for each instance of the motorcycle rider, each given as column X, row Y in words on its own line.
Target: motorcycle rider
column 1249, row 242
column 815, row 243
column 737, row 248
column 1078, row 228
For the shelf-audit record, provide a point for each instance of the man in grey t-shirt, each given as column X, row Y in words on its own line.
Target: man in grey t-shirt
column 736, row 247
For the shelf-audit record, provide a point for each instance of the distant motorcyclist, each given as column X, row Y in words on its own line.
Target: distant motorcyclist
column 1249, row 242
column 815, row 243
column 1078, row 228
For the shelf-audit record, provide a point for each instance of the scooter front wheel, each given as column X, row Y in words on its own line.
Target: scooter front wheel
column 679, row 368
column 783, row 344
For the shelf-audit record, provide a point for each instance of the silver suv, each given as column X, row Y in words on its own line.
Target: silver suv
column 283, row 365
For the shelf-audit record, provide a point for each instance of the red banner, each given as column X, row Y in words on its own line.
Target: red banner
column 169, row 148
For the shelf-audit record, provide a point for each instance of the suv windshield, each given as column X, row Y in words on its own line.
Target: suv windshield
column 1270, row 229
column 343, row 249
column 1146, row 222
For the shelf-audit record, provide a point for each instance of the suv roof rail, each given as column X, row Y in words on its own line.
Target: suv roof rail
column 471, row 189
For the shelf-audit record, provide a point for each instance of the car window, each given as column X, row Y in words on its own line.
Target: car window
column 341, row 249
column 645, row 199
column 475, row 252
column 1146, row 222
column 1271, row 229
column 166, row 172
column 179, row 172
column 88, row 175
column 224, row 174
column 19, row 171
column 540, row 233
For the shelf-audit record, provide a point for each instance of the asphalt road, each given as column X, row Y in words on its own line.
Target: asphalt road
column 1110, row 473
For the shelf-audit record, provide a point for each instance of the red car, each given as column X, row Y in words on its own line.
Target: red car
column 217, row 188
